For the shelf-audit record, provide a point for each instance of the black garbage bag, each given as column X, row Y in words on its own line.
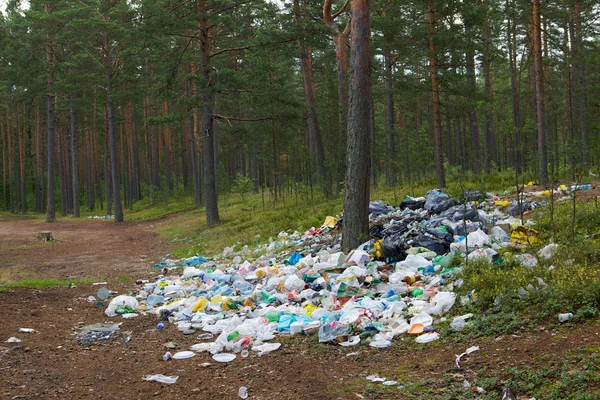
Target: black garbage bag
column 412, row 204
column 376, row 231
column 378, row 208
column 459, row 212
column 445, row 236
column 437, row 202
column 513, row 208
column 465, row 229
column 473, row 195
column 431, row 243
column 394, row 247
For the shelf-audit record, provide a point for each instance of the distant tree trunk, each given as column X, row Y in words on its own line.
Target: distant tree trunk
column 112, row 132
column 579, row 72
column 568, row 84
column 314, row 134
column 474, row 128
column 4, row 166
column 22, row 134
column 107, row 164
column 390, row 175
column 74, row 161
column 490, row 140
column 167, row 146
column 435, row 92
column 357, row 187
column 50, row 207
column 207, row 96
column 340, row 39
column 539, row 86
column 516, row 113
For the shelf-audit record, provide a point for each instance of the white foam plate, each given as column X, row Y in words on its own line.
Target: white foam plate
column 224, row 357
column 183, row 355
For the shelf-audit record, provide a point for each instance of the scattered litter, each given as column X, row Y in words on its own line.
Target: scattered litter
column 243, row 392
column 301, row 283
column 182, row 355
column 27, row 330
column 97, row 332
column 468, row 351
column 565, row 317
column 427, row 337
column 224, row 357
column 375, row 378
column 169, row 380
column 13, row 340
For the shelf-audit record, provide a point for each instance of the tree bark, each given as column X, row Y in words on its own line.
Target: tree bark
column 390, row 176
column 435, row 94
column 473, row 126
column 112, row 132
column 314, row 134
column 74, row 161
column 357, row 187
column 50, row 207
column 207, row 96
column 512, row 52
column 539, row 92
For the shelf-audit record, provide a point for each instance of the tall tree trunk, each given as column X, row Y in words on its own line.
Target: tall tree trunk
column 390, row 128
column 50, row 207
column 22, row 134
column 208, row 98
column 74, row 161
column 473, row 126
column 516, row 113
column 314, row 134
column 357, row 188
column 435, row 94
column 167, row 145
column 490, row 140
column 581, row 85
column 539, row 89
column 112, row 133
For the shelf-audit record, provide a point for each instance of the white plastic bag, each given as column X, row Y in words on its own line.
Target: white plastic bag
column 120, row 300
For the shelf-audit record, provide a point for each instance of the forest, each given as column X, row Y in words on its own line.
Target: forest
column 107, row 102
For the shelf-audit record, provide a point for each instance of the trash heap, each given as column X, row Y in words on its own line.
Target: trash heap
column 400, row 281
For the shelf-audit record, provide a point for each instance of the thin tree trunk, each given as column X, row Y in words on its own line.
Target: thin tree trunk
column 74, row 161
column 473, row 126
column 314, row 134
column 516, row 113
column 537, row 51
column 50, row 207
column 357, row 188
column 390, row 176
column 435, row 93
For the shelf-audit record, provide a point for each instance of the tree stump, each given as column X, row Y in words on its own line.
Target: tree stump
column 46, row 236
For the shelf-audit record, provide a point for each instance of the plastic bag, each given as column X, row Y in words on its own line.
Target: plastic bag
column 548, row 251
column 169, row 380
column 460, row 212
column 121, row 302
column 432, row 243
column 394, row 247
column 427, row 337
column 413, row 203
column 331, row 331
column 437, row 202
column 441, row 303
column 378, row 208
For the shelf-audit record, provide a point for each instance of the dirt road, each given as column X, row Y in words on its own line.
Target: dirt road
column 51, row 364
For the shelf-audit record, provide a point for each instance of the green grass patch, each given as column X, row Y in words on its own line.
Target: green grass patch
column 41, row 283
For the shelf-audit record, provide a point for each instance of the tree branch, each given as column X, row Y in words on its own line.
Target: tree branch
column 229, row 119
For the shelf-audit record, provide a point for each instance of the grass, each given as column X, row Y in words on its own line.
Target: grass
column 41, row 283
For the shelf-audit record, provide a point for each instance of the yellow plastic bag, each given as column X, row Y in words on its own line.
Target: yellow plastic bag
column 524, row 235
column 503, row 203
column 200, row 305
column 330, row 222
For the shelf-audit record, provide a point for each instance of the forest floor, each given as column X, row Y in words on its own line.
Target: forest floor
column 51, row 363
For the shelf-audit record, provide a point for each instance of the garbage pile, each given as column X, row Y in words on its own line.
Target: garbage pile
column 400, row 282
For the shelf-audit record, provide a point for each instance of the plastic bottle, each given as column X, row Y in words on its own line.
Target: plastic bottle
column 103, row 293
column 28, row 330
column 565, row 317
column 154, row 299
